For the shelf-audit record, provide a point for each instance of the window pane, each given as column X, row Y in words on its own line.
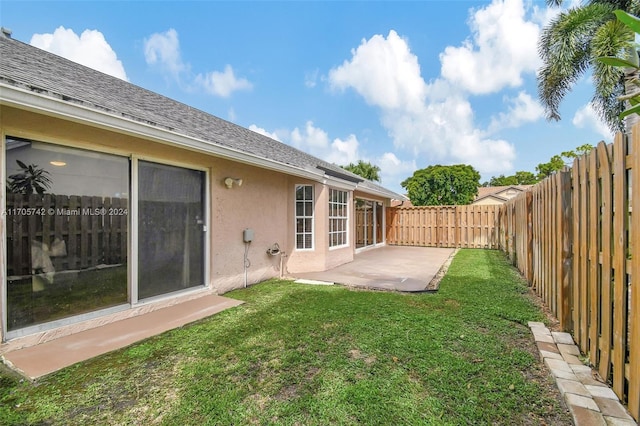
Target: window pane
column 66, row 232
column 304, row 216
column 171, row 229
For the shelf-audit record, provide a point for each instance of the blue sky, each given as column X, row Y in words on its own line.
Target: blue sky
column 403, row 85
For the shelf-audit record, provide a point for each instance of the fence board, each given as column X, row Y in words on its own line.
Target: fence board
column 620, row 213
column 443, row 226
column 592, row 244
column 606, row 214
column 634, row 309
column 582, row 334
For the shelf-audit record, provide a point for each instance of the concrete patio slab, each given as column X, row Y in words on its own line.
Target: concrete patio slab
column 394, row 268
column 37, row 361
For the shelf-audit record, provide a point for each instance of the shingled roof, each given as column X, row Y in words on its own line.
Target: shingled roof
column 34, row 70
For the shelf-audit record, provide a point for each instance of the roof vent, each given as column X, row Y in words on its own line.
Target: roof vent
column 6, row 32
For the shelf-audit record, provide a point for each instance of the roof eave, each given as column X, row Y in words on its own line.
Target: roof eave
column 36, row 102
column 47, row 105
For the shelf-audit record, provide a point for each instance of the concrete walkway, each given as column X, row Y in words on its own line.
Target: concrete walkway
column 396, row 268
column 39, row 360
column 590, row 401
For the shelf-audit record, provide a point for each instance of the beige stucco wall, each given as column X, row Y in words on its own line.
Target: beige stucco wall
column 265, row 202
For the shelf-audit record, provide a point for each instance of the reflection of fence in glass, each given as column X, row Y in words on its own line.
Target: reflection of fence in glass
column 74, row 232
column 66, row 255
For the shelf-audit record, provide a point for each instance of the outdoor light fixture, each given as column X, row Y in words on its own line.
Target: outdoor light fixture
column 58, row 163
column 230, row 181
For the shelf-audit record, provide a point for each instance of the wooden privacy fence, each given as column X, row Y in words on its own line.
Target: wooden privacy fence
column 70, row 232
column 576, row 238
column 443, row 226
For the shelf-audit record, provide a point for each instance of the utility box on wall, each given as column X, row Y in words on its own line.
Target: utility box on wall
column 247, row 235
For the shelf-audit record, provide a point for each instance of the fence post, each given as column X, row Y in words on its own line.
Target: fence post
column 634, row 309
column 529, row 237
column 565, row 231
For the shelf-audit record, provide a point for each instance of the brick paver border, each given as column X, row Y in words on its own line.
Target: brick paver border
column 590, row 401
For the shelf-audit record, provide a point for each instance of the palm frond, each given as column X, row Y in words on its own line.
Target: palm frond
column 565, row 49
column 613, row 38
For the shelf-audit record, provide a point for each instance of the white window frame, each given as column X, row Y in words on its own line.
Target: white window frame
column 303, row 217
column 341, row 205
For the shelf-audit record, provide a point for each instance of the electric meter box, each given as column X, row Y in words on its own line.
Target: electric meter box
column 247, row 235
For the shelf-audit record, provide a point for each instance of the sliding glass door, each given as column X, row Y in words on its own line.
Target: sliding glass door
column 68, row 236
column 368, row 223
column 171, row 229
column 67, row 215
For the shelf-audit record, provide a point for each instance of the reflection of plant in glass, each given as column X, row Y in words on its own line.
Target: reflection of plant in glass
column 32, row 179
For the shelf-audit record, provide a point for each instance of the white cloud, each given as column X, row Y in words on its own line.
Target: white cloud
column 586, row 117
column 522, row 109
column 316, row 141
column 89, row 49
column 223, row 83
column 263, row 132
column 384, row 72
column 163, row 49
column 503, row 47
column 343, row 152
column 432, row 120
column 394, row 170
column 311, row 139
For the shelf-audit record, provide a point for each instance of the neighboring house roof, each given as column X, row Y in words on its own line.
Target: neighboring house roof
column 499, row 199
column 499, row 191
column 499, row 194
column 38, row 80
column 401, row 203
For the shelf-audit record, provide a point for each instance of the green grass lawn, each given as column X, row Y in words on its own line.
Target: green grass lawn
column 317, row 355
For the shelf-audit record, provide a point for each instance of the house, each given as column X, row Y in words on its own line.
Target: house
column 492, row 195
column 147, row 202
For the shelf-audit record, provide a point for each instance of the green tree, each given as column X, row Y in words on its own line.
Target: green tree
column 569, row 47
column 364, row 169
column 519, row 178
column 442, row 185
column 502, row 180
column 579, row 151
column 526, row 178
column 556, row 163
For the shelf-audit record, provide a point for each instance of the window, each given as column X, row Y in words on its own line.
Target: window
column 66, row 232
column 338, row 215
column 304, row 217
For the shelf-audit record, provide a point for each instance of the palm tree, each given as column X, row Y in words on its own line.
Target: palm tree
column 364, row 169
column 569, row 47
